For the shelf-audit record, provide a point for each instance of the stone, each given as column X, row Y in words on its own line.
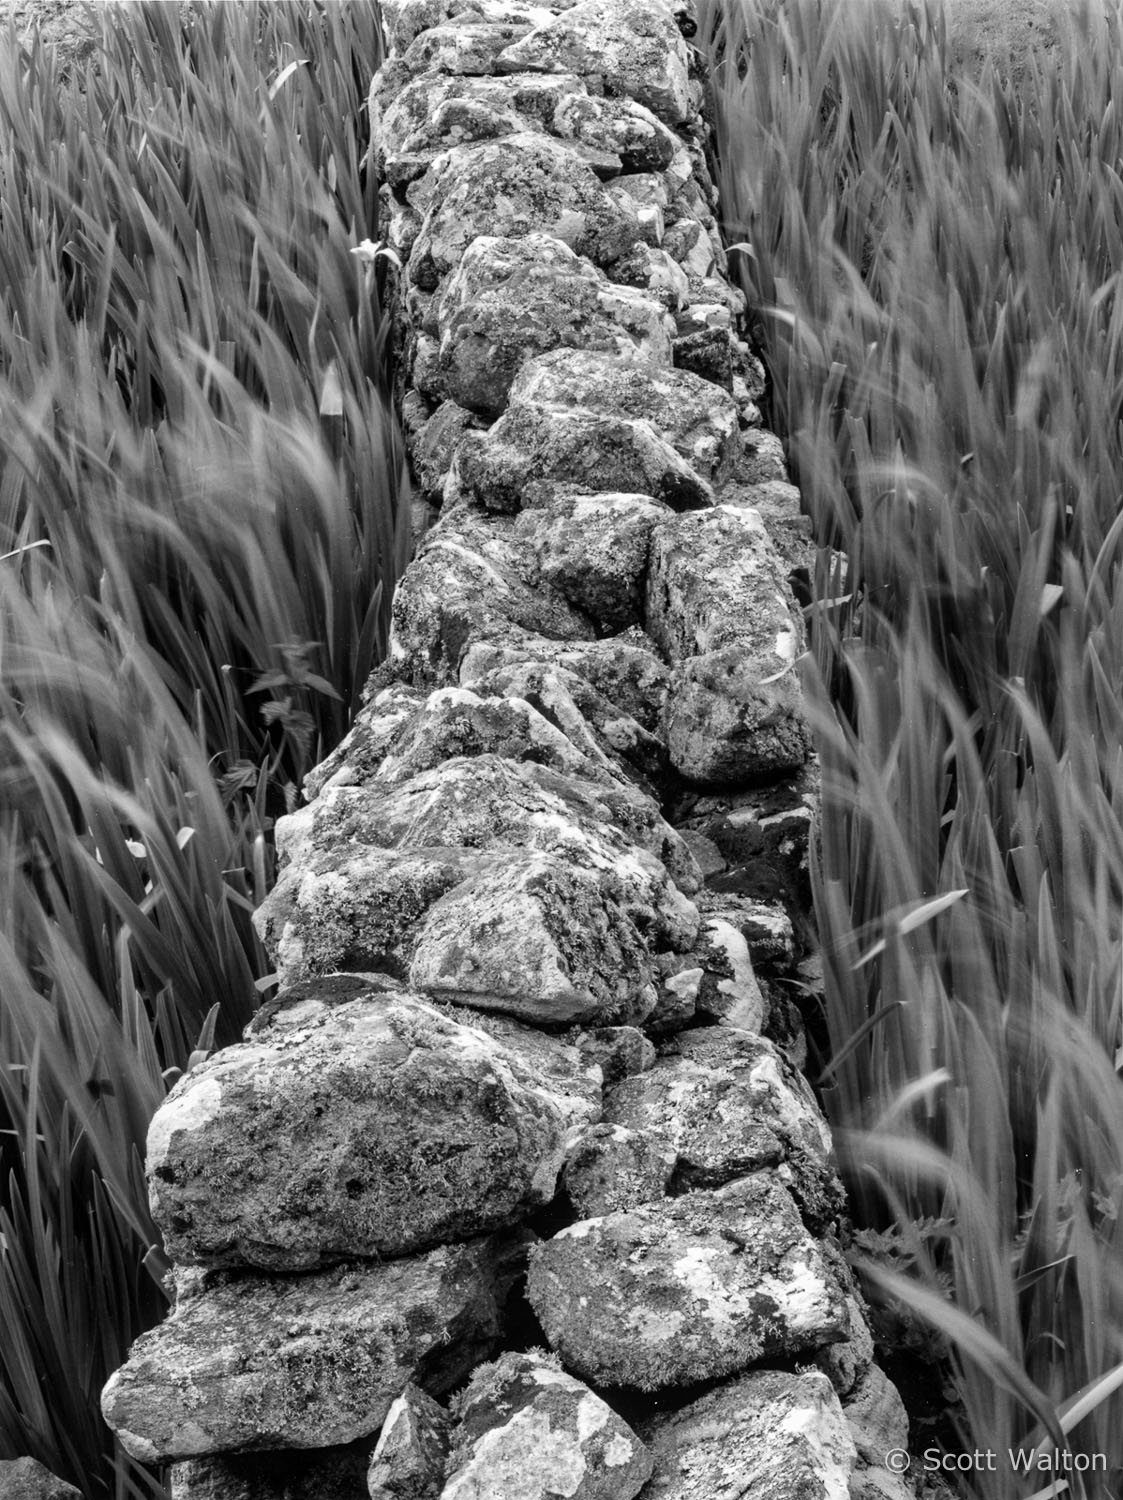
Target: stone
column 772, row 1435
column 470, row 578
column 619, row 1051
column 28, row 1479
column 529, row 1431
column 310, row 1474
column 411, row 1454
column 731, row 1103
column 536, row 939
column 726, row 724
column 677, row 989
column 519, row 184
column 435, row 443
column 845, row 1364
column 593, row 550
column 654, row 271
column 534, row 450
column 610, row 1168
column 253, row 1361
column 406, row 19
column 465, row 46
column 764, row 924
column 686, row 1289
column 512, row 299
column 636, row 135
column 486, row 803
column 729, row 992
column 372, row 1127
column 634, row 45
column 876, row 1417
column 698, row 422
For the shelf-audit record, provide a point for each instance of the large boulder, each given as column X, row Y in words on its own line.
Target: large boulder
column 771, row 1435
column 250, row 1361
column 372, row 1126
column 685, row 1289
column 529, row 1431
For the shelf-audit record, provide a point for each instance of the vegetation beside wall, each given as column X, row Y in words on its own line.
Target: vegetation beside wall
column 201, row 520
column 937, row 271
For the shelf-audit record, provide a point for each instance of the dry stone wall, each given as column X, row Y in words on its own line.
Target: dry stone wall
column 516, row 1190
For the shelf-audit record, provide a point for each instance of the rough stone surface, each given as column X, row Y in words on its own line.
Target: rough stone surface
column 519, row 184
column 529, row 1431
column 376, row 1126
column 771, row 1435
column 511, row 299
column 634, row 45
column 28, row 1479
column 611, row 1168
column 411, row 1455
column 725, row 723
column 686, row 1289
column 731, row 1103
column 253, row 1361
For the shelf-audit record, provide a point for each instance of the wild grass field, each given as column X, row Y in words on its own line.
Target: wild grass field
column 936, row 266
column 202, row 515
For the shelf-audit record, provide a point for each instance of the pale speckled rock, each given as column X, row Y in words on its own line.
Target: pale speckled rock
column 677, row 986
column 406, row 19
column 296, row 1361
column 729, row 992
column 726, row 722
column 731, row 1103
column 28, row 1479
column 778, row 505
column 593, row 550
column 434, row 444
column 770, row 1435
column 611, row 1168
column 409, row 1459
column 698, row 421
column 337, row 1473
column 654, row 271
column 470, row 578
column 462, row 46
column 636, row 135
column 532, row 450
column 764, row 924
column 529, row 1431
column 516, row 185
column 625, row 669
column 511, row 299
column 536, row 939
column 424, row 1131
column 360, row 752
column 687, row 1289
column 634, row 45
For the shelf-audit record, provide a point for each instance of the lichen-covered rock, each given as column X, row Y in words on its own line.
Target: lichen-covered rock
column 762, row 920
column 634, row 45
column 699, row 422
column 529, row 1431
column 771, row 1435
column 593, row 550
column 434, row 444
column 511, row 299
column 533, row 450
column 687, row 1289
column 406, row 19
column 659, row 275
column 374, row 1127
column 470, row 578
column 634, row 134
column 337, row 1473
column 464, row 46
column 876, row 1417
column 487, row 802
column 729, row 991
column 519, row 184
column 536, row 939
column 610, row 1168
column 726, row 722
column 254, row 1361
column 28, row 1479
column 731, row 1103
column 619, row 1051
column 411, row 1454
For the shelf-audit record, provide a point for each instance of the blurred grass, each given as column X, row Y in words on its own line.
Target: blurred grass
column 202, row 515
column 935, row 267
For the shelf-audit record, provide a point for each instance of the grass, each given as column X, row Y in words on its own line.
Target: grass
column 935, row 263
column 202, row 515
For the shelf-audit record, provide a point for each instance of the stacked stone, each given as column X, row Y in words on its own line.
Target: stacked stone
column 529, row 1078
